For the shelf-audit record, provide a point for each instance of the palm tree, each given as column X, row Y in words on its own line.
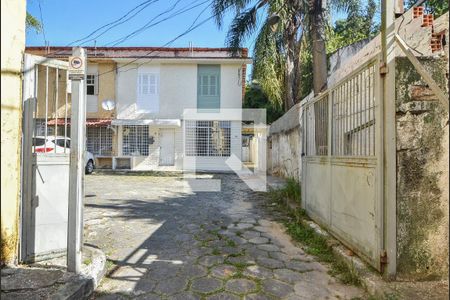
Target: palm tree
column 289, row 26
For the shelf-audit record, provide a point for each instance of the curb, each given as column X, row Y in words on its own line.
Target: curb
column 83, row 285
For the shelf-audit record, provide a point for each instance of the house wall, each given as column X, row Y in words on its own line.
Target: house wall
column 422, row 172
column 178, row 90
column 107, row 90
column 12, row 49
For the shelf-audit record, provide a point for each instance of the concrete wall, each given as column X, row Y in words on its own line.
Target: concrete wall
column 422, row 172
column 12, row 48
column 285, row 143
column 178, row 90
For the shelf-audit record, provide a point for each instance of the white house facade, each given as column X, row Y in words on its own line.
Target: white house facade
column 151, row 88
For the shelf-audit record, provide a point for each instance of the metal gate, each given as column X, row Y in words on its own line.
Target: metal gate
column 45, row 160
column 342, row 166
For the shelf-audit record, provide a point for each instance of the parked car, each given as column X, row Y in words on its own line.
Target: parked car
column 59, row 145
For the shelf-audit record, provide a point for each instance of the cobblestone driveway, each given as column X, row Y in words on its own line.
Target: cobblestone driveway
column 164, row 242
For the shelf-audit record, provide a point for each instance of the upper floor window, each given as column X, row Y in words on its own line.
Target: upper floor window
column 91, row 84
column 148, row 92
column 147, row 84
column 208, row 87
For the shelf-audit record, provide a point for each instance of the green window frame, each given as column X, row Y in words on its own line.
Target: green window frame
column 208, row 87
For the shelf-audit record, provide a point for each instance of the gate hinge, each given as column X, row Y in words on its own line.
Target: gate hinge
column 383, row 69
column 383, row 257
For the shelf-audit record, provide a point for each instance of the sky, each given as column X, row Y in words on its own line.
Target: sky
column 66, row 22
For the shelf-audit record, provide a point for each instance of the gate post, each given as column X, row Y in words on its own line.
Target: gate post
column 76, row 171
column 388, row 134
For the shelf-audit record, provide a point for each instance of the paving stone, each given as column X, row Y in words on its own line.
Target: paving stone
column 193, row 271
column 206, row 285
column 258, row 296
column 240, row 286
column 240, row 226
column 171, row 286
column 276, row 288
column 223, row 296
column 299, row 266
column 259, row 240
column 287, row 275
column 211, row 260
column 280, row 256
column 243, row 259
column 148, row 296
column 261, row 228
column 270, row 263
column 251, row 234
column 223, row 271
column 184, row 296
column 269, row 247
column 265, row 223
column 258, row 272
column 248, row 220
column 255, row 252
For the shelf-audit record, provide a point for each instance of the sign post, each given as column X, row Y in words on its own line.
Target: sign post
column 77, row 72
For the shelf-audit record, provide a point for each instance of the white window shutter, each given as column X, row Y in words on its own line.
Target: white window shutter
column 96, row 83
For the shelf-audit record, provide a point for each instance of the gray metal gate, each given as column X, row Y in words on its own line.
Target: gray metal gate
column 342, row 167
column 45, row 161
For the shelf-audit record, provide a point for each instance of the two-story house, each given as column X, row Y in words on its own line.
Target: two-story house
column 151, row 88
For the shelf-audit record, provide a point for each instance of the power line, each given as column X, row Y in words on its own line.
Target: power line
column 124, row 21
column 191, row 28
column 150, row 24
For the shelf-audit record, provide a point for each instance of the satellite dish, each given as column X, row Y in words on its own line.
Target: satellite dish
column 108, row 104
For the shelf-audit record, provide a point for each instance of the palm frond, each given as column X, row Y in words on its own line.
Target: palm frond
column 220, row 7
column 242, row 26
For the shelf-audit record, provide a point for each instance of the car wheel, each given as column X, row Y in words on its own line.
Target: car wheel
column 89, row 167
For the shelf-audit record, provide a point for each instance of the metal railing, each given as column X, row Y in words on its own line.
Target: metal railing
column 342, row 119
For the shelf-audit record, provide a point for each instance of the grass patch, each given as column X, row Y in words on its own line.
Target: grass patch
column 215, row 251
column 87, row 261
column 291, row 191
column 316, row 244
column 239, row 233
column 231, row 243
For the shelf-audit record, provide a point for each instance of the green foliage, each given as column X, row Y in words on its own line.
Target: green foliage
column 32, row 23
column 256, row 98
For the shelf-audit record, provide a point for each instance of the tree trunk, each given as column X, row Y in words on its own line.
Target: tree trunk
column 319, row 54
column 292, row 66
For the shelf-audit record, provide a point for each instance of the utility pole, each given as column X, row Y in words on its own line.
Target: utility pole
column 77, row 73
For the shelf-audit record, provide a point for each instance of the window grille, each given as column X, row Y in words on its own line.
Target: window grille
column 135, row 140
column 207, row 138
column 99, row 140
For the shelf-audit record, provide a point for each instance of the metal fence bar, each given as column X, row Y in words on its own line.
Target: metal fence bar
column 65, row 109
column 46, row 109
column 56, row 104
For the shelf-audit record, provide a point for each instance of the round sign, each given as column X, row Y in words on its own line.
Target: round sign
column 76, row 62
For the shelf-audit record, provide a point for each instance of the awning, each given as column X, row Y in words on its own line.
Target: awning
column 89, row 122
column 149, row 122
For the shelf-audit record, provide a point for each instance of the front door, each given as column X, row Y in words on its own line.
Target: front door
column 167, row 147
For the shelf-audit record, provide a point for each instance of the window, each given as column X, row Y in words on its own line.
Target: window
column 148, row 92
column 91, row 84
column 99, row 140
column 207, row 138
column 135, row 140
column 208, row 86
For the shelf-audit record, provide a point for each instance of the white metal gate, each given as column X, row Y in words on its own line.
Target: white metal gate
column 45, row 160
column 342, row 166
